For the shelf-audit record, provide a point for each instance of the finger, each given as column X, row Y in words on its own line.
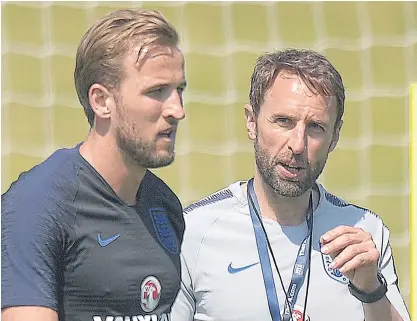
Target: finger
column 334, row 254
column 337, row 231
column 353, row 251
column 345, row 240
column 360, row 260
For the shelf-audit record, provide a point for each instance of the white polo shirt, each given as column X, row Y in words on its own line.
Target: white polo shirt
column 222, row 278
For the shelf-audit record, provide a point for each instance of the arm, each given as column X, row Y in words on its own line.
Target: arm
column 184, row 305
column 393, row 295
column 31, row 243
column 355, row 255
column 381, row 310
column 29, row 313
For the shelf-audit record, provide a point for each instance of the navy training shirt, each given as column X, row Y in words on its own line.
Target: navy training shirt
column 69, row 243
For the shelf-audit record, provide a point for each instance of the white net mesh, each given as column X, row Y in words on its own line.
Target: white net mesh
column 374, row 46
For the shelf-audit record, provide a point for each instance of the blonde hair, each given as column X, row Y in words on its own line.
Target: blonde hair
column 106, row 43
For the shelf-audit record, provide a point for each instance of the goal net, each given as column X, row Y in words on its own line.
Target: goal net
column 373, row 45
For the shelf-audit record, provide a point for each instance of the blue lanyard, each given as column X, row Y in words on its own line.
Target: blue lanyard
column 300, row 266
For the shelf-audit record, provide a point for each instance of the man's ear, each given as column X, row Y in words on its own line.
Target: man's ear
column 250, row 122
column 101, row 101
column 336, row 135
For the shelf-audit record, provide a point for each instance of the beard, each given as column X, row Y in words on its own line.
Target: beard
column 266, row 164
column 143, row 152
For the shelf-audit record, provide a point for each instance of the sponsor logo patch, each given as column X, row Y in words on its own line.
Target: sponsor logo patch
column 150, row 294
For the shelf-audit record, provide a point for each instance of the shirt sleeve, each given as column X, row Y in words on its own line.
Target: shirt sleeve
column 31, row 251
column 387, row 267
column 184, row 305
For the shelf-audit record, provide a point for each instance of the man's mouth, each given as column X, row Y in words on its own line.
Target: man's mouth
column 293, row 168
column 168, row 133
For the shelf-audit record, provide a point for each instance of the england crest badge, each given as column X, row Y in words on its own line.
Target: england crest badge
column 164, row 230
column 335, row 274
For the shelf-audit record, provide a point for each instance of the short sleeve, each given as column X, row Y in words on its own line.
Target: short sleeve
column 387, row 268
column 31, row 246
column 184, row 305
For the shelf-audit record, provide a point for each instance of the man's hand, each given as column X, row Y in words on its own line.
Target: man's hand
column 354, row 254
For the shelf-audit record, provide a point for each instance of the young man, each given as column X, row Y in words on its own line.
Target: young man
column 90, row 233
column 281, row 247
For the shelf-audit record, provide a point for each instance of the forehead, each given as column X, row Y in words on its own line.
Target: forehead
column 161, row 62
column 290, row 93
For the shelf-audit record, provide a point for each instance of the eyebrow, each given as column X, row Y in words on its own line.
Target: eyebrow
column 183, row 83
column 293, row 116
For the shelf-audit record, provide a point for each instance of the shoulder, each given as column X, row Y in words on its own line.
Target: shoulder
column 209, row 219
column 157, row 187
column 218, row 201
column 55, row 170
column 203, row 214
column 338, row 211
column 161, row 197
column 46, row 188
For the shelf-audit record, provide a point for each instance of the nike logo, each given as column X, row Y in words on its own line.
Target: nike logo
column 233, row 270
column 105, row 242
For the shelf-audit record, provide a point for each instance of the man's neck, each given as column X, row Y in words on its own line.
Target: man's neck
column 287, row 211
column 123, row 176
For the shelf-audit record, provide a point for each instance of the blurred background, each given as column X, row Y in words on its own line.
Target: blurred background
column 372, row 44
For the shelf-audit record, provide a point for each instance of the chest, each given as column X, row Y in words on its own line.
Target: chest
column 229, row 284
column 122, row 261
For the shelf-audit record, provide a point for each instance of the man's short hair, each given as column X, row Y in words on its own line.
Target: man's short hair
column 319, row 75
column 107, row 42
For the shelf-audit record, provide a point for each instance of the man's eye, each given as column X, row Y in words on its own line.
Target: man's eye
column 157, row 90
column 283, row 120
column 316, row 126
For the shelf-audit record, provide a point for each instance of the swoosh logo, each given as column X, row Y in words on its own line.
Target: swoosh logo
column 233, row 270
column 105, row 242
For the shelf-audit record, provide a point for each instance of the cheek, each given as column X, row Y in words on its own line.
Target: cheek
column 269, row 137
column 129, row 121
column 318, row 150
column 142, row 111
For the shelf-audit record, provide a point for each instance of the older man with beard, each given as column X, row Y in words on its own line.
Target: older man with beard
column 90, row 233
column 280, row 246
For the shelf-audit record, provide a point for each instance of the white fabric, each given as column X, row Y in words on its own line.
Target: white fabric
column 219, row 232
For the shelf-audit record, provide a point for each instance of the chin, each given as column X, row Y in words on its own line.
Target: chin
column 161, row 160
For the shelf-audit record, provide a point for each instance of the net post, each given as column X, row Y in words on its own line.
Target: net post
column 413, row 200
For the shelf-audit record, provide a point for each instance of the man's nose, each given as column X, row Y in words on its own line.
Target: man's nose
column 174, row 106
column 298, row 141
